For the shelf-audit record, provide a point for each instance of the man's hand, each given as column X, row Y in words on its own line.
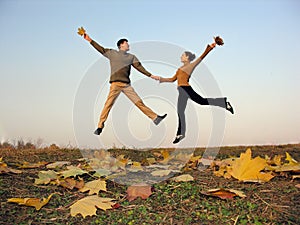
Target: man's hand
column 155, row 77
column 87, row 37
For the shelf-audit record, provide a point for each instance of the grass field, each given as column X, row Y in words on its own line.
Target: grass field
column 273, row 202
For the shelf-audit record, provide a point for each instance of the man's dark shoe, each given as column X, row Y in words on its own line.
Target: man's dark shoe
column 158, row 119
column 98, row 131
column 229, row 107
column 178, row 138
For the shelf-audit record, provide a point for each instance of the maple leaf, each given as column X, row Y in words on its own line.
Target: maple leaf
column 88, row 205
column 45, row 177
column 121, row 161
column 224, row 193
column 58, row 164
column 94, row 187
column 135, row 167
column 71, row 183
column 28, row 165
column 166, row 157
column 138, row 190
column 290, row 159
column 102, row 172
column 81, row 31
column 73, row 171
column 5, row 169
column 35, row 202
column 248, row 170
column 291, row 165
column 183, row 178
column 161, row 173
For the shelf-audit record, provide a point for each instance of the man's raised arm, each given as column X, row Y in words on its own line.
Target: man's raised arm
column 98, row 47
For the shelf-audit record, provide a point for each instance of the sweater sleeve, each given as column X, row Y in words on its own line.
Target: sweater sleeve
column 99, row 48
column 171, row 79
column 138, row 66
column 198, row 60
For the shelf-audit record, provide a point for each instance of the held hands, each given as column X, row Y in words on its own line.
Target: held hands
column 155, row 77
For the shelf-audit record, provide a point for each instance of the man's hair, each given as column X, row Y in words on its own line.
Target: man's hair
column 121, row 41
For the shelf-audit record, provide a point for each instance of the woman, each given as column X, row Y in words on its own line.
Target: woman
column 186, row 91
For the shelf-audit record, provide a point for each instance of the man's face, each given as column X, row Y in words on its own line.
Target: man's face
column 124, row 46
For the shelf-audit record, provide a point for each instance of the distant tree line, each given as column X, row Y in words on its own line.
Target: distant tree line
column 21, row 144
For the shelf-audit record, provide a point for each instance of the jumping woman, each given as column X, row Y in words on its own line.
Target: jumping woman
column 185, row 90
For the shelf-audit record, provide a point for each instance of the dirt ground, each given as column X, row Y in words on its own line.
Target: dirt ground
column 274, row 202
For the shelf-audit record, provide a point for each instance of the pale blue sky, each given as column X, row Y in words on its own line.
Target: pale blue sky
column 43, row 63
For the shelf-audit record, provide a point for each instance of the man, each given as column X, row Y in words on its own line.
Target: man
column 120, row 63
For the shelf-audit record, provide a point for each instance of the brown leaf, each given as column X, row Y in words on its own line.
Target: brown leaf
column 138, row 190
column 224, row 193
column 71, row 183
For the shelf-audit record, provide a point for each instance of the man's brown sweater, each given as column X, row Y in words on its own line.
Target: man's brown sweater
column 120, row 63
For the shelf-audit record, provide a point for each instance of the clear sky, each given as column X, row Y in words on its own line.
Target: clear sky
column 44, row 64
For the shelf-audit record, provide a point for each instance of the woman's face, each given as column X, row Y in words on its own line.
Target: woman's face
column 184, row 58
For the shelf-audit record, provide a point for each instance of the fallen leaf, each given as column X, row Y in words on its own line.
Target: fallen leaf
column 102, row 173
column 94, row 187
column 290, row 159
column 166, row 157
column 161, row 173
column 249, row 170
column 5, row 169
column 138, row 190
column 45, row 177
column 72, row 172
column 295, row 177
column 35, row 202
column 28, row 165
column 88, row 205
column 297, row 185
column 224, row 193
column 287, row 168
column 121, row 161
column 71, row 183
column 58, row 164
column 183, row 178
column 135, row 167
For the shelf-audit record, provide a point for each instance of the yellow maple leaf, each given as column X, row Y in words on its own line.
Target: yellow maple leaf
column 249, row 170
column 166, row 156
column 35, row 202
column 290, row 159
column 94, row 187
column 81, row 31
column 88, row 205
column 135, row 167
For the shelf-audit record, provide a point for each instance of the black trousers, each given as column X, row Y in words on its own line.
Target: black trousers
column 187, row 92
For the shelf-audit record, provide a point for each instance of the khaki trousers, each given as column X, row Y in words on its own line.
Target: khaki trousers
column 115, row 89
